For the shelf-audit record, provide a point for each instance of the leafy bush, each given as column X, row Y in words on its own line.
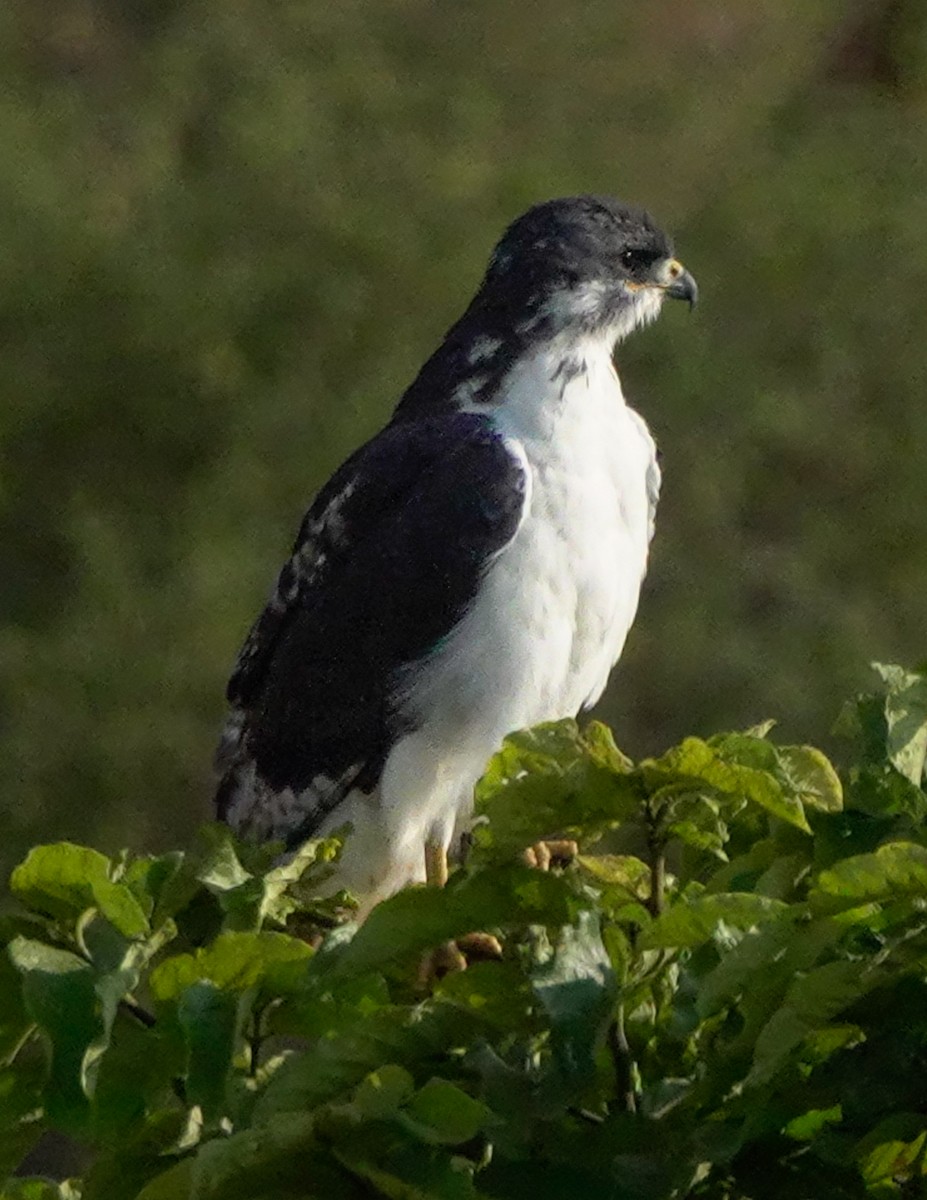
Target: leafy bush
column 723, row 996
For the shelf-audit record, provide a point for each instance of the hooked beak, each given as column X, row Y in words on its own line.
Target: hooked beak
column 677, row 282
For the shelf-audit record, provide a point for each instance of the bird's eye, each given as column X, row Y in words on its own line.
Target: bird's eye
column 634, row 259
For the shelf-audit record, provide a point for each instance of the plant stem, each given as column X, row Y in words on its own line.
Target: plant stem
column 657, row 879
column 623, row 1063
column 656, row 847
column 140, row 1014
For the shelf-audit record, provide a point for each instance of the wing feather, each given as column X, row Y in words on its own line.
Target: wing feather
column 387, row 561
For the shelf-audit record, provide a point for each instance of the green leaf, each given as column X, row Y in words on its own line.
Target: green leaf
column 442, row 1113
column 526, row 1179
column 400, row 1166
column 807, row 1127
column 37, row 1189
column 733, row 765
column 893, row 1152
column 893, row 871
column 340, row 1061
column 63, row 880
column 219, row 868
column 210, row 1020
column 150, row 878
column 810, row 775
column 235, row 962
column 743, row 871
column 906, row 719
column 620, row 870
column 383, row 1092
column 416, row 919
column 22, row 1117
column 578, row 989
column 880, row 791
column 140, row 1153
column 747, row 749
column 810, row 1002
column 60, row 994
column 14, row 1020
column 551, row 781
column 271, row 1162
column 742, row 963
column 270, row 896
column 599, row 743
column 496, row 993
column 709, row 833
column 692, row 923
column 172, row 1184
column 312, row 857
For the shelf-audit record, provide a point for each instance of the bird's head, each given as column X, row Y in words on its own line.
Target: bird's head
column 588, row 264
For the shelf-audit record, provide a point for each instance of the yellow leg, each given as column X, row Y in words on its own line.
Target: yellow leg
column 435, row 864
column 451, row 956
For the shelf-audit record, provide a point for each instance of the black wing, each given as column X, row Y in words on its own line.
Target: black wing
column 387, row 561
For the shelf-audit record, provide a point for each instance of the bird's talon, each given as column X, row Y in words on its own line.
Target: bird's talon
column 544, row 855
column 457, row 955
column 443, row 960
column 480, row 947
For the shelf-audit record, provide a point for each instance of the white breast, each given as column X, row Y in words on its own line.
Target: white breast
column 567, row 586
column 556, row 604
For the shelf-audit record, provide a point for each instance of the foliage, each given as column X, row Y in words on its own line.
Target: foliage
column 230, row 233
column 723, row 996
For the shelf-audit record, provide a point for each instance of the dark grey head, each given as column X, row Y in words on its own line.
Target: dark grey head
column 585, row 266
column 585, row 260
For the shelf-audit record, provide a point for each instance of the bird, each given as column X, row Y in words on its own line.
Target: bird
column 472, row 570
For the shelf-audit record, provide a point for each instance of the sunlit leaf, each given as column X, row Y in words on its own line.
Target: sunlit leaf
column 620, row 870
column 807, row 1127
column 63, row 880
column 906, row 718
column 811, row 776
column 694, row 922
column 894, row 870
column 550, row 781
column 734, row 766
column 235, row 961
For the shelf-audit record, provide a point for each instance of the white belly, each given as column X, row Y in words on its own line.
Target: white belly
column 555, row 607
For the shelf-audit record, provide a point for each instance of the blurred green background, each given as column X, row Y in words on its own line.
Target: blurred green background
column 229, row 235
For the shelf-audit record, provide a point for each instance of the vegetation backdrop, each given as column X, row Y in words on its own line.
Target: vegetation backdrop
column 229, row 234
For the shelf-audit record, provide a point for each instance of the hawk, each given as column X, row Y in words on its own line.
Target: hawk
column 471, row 570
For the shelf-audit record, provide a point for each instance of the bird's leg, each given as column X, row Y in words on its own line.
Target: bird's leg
column 447, row 957
column 454, row 955
column 435, row 864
